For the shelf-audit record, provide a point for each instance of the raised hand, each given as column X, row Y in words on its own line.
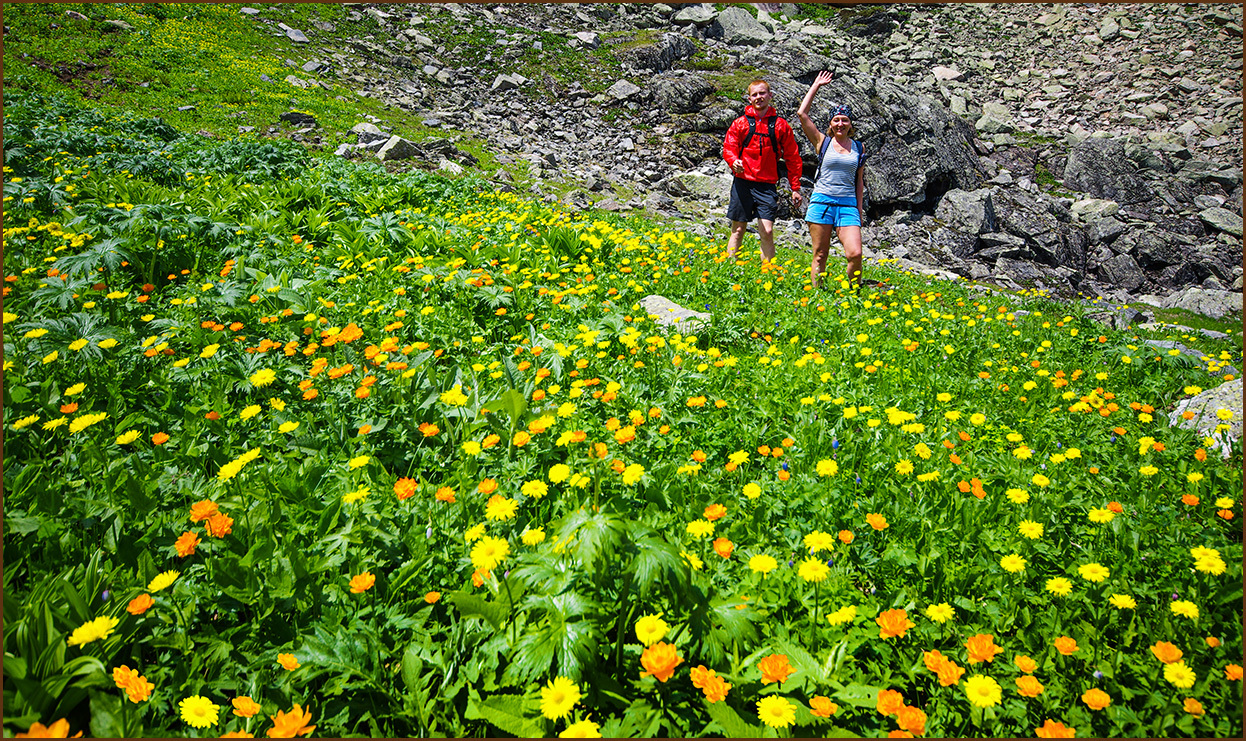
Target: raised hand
column 823, row 78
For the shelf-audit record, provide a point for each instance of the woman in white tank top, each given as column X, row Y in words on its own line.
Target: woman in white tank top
column 837, row 196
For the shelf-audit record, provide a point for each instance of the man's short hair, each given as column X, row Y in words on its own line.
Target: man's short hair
column 754, row 83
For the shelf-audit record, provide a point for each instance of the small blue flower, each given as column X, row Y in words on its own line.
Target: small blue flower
column 784, row 465
column 834, row 445
column 1098, row 674
column 104, row 595
column 858, row 479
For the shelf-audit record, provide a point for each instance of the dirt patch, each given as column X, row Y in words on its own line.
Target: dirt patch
column 88, row 78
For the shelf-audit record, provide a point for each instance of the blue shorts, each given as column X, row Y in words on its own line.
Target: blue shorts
column 824, row 209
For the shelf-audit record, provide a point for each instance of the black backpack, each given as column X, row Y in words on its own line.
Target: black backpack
column 774, row 143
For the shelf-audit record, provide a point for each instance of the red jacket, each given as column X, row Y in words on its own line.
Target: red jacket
column 760, row 164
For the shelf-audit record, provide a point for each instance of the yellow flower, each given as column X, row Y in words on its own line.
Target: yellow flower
column 1040, row 480
column 1093, row 572
column 163, row 581
column 558, row 697
column 632, row 474
column 1013, row 563
column 209, row 351
column 250, row 411
column 904, row 467
column 752, row 491
column 263, row 377
column 845, row 614
column 813, row 570
column 490, row 552
column 651, row 628
column 288, row 427
column 1030, row 529
column 1017, row 496
column 474, row 532
column 93, row 630
column 700, row 528
column 827, row 468
column 198, row 711
column 1059, row 586
column 75, row 389
column 582, row 729
column 358, row 461
column 534, row 536
column 762, row 564
column 356, row 495
column 535, row 489
column 559, row 473
column 940, row 613
column 1180, row 675
column 776, row 712
column 983, row 691
column 1148, row 470
column 500, row 508
column 1184, row 608
column 1122, row 602
column 1100, row 515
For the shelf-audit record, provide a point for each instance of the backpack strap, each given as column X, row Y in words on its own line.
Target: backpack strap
column 826, row 144
column 752, row 129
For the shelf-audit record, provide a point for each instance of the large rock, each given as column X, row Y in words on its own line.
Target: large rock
column 668, row 313
column 1101, row 168
column 795, row 60
column 740, row 28
column 1122, row 271
column 1223, row 220
column 397, row 148
column 622, row 90
column 367, row 133
column 679, row 91
column 970, row 212
column 671, row 48
column 699, row 15
column 995, row 119
column 1205, row 406
column 1214, row 304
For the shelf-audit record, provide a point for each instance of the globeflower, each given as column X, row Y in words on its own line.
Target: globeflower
column 361, row 583
column 1096, row 699
column 822, row 706
column 659, row 661
column 291, row 724
column 1066, row 645
column 877, row 521
column 775, row 668
column 893, row 624
column 982, row 647
column 1166, row 652
column 1054, row 729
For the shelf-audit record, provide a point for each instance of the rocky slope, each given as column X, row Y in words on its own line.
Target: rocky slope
column 1077, row 148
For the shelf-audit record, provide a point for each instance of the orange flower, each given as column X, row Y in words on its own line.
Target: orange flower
column 1225, row 514
column 1029, row 686
column 159, row 438
column 488, row 486
column 289, row 725
column 245, row 707
column 1116, row 507
column 933, row 660
column 428, row 429
column 361, row 583
column 404, row 488
column 978, row 490
column 660, row 660
column 963, row 486
column 59, row 729
column 893, row 624
column 478, row 577
column 136, row 687
column 219, row 525
column 1233, row 672
column 521, row 439
column 877, row 521
column 185, row 544
column 982, row 648
column 784, row 476
column 237, row 734
column 1200, row 455
column 1025, row 663
column 1166, row 652
column 69, row 408
column 288, row 662
column 890, row 702
column 912, row 720
column 846, row 537
column 1189, row 500
column 1096, row 699
column 723, row 547
column 432, row 597
column 822, row 706
column 140, row 604
column 714, row 686
column 775, row 668
column 950, row 674
column 445, row 494
column 715, row 512
column 212, row 415
column 1054, row 729
column 1212, row 642
column 1193, row 707
column 202, row 510
column 899, row 734
column 1066, row 645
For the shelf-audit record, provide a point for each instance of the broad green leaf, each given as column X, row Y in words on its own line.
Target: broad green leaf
column 469, row 605
column 507, row 712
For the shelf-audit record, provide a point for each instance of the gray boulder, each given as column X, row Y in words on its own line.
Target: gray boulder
column 699, row 15
column 670, row 314
column 1101, row 168
column 795, row 60
column 1223, row 220
column 1214, row 304
column 970, row 212
column 671, row 48
column 679, row 91
column 367, row 133
column 1205, row 421
column 1122, row 271
column 740, row 28
column 622, row 90
column 397, row 148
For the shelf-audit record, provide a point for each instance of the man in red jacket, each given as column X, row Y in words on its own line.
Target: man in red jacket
column 751, row 149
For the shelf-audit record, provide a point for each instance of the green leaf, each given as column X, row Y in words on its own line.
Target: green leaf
column 512, row 402
column 329, row 517
column 732, row 724
column 860, row 695
column 106, row 715
column 412, row 665
column 469, row 605
column 506, row 712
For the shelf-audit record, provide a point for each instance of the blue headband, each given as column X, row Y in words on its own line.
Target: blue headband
column 841, row 110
